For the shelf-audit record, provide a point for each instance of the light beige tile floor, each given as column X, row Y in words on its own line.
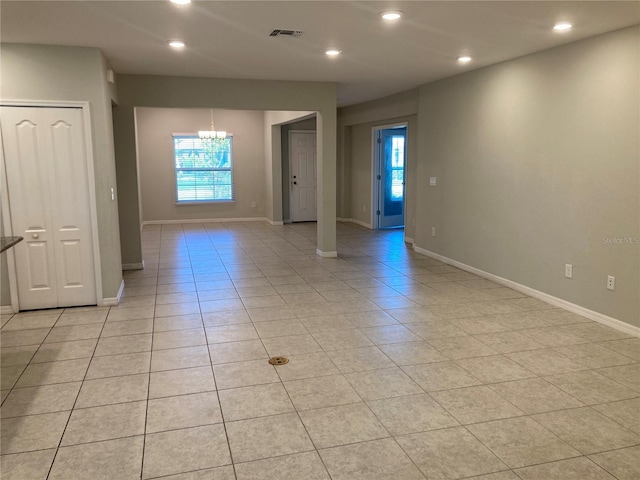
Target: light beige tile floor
column 400, row 368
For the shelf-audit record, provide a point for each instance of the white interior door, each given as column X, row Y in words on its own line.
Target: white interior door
column 49, row 202
column 304, row 189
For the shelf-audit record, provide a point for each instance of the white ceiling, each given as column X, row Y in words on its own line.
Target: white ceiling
column 230, row 39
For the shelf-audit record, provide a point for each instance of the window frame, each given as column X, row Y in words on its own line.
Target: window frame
column 176, row 170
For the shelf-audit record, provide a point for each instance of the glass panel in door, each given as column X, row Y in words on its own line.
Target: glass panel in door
column 391, row 186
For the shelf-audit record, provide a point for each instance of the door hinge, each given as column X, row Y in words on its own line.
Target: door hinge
column 379, row 177
column 377, row 212
column 379, row 140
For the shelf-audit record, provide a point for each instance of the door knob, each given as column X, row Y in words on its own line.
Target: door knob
column 35, row 235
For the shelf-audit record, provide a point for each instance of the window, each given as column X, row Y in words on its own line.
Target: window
column 397, row 167
column 204, row 169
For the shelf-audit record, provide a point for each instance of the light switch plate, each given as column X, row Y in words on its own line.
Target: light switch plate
column 433, row 181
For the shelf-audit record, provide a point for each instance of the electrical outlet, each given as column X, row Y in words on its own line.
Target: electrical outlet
column 253, row 204
column 433, row 231
column 611, row 283
column 568, row 270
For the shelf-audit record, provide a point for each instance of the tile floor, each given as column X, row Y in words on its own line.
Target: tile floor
column 401, row 368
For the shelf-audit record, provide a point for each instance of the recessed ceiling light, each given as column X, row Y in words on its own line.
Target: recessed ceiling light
column 333, row 52
column 562, row 27
column 391, row 15
column 180, row 2
column 176, row 43
column 464, row 59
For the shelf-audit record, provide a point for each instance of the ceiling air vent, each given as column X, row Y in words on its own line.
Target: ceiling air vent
column 280, row 32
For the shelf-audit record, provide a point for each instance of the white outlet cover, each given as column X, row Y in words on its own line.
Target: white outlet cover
column 433, row 181
column 568, row 270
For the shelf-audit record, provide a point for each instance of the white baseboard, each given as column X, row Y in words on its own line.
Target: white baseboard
column 6, row 310
column 114, row 301
column 326, row 254
column 205, row 220
column 409, row 240
column 357, row 222
column 275, row 223
column 133, row 266
column 532, row 292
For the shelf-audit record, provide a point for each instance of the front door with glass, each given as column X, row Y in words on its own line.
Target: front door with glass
column 390, row 177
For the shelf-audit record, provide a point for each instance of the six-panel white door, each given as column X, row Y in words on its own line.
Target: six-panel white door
column 44, row 151
column 304, row 188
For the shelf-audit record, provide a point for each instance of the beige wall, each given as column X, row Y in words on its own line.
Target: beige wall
column 537, row 161
column 50, row 73
column 155, row 127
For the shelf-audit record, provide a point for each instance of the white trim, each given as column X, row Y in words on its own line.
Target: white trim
column 275, row 223
column 356, row 221
column 133, row 266
column 409, row 240
column 545, row 297
column 205, row 220
column 93, row 209
column 326, row 254
column 6, row 310
column 113, row 301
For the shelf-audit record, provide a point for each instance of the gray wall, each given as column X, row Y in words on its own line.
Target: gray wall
column 185, row 92
column 273, row 121
column 360, row 166
column 355, row 162
column 307, row 124
column 38, row 72
column 537, row 161
column 155, row 127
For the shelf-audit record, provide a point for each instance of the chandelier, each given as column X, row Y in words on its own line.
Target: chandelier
column 213, row 133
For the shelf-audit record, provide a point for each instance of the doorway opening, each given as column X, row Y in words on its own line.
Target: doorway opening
column 390, row 158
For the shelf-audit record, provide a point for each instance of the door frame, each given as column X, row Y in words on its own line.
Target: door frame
column 315, row 132
column 93, row 211
column 375, row 218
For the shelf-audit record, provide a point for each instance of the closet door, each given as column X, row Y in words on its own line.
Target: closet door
column 49, row 203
